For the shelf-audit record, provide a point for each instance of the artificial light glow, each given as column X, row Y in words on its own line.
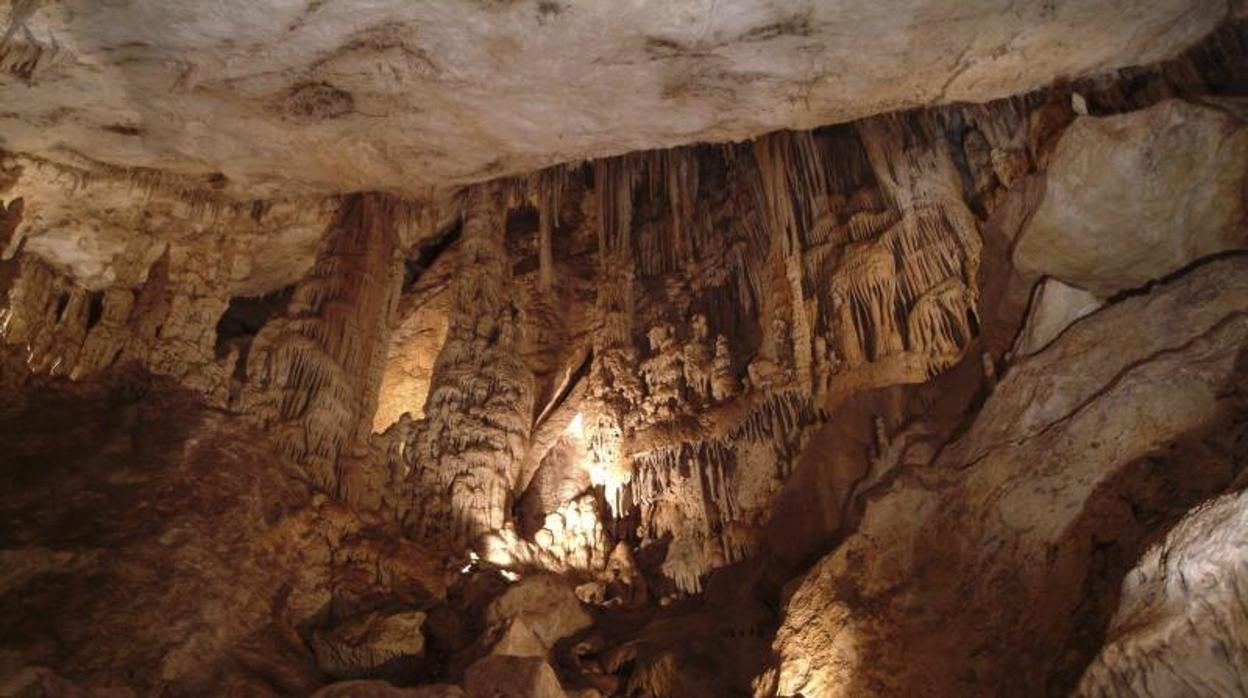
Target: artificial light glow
column 473, row 558
column 576, row 428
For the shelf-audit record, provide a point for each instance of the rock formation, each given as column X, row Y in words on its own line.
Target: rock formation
column 545, row 349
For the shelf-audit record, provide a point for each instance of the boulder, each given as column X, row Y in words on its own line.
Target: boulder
column 1134, row 197
column 512, row 677
column 519, row 640
column 546, row 604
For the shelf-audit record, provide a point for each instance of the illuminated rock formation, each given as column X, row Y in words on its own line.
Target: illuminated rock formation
column 477, row 414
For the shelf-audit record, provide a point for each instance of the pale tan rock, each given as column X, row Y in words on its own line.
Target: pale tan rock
column 545, row 603
column 334, row 97
column 1054, row 306
column 519, row 640
column 1132, row 197
column 1181, row 627
column 512, row 677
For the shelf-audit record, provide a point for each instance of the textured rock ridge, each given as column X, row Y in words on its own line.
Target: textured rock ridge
column 1179, row 627
column 1047, row 528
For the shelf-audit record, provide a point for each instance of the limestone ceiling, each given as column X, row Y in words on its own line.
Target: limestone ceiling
column 268, row 98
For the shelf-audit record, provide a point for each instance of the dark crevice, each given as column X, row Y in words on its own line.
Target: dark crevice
column 242, row 320
column 429, row 253
column 95, row 308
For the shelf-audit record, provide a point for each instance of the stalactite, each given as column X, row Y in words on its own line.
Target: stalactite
column 105, row 341
column 173, row 322
column 681, row 175
column 793, row 191
column 39, row 316
column 10, row 218
column 689, row 489
column 168, row 329
column 547, row 188
column 881, row 297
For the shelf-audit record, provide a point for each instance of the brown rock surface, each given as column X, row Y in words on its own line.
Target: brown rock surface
column 141, row 530
column 512, row 677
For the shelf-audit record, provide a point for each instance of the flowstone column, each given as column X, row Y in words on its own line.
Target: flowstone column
column 465, row 455
column 314, row 371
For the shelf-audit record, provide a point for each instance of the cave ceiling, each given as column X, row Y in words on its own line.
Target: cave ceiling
column 289, row 97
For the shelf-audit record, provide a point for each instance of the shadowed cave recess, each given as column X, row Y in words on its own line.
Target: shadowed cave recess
column 557, row 349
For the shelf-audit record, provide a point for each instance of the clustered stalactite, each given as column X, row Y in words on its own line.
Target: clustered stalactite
column 853, row 248
column 166, row 325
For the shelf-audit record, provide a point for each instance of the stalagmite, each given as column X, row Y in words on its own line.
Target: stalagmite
column 470, row 443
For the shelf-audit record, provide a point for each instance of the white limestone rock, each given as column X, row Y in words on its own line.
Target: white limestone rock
column 1182, row 625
